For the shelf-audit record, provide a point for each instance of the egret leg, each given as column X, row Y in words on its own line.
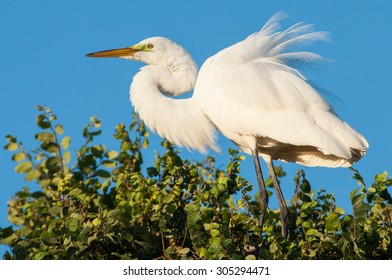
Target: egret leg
column 262, row 189
column 284, row 213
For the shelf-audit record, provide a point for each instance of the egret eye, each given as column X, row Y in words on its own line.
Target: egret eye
column 150, row 46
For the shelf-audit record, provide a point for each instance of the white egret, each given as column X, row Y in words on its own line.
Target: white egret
column 252, row 94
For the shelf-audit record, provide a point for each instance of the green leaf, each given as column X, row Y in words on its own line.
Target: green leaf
column 67, row 156
column 171, row 208
column 305, row 186
column 65, row 142
column 203, row 252
column 23, row 167
column 273, row 247
column 84, row 232
column 11, row 146
column 55, row 210
column 307, row 205
column 103, row 174
column 338, row 210
column 40, row 255
column 211, row 226
column 45, row 136
column 50, row 147
column 97, row 150
column 192, row 208
column 42, row 121
column 353, row 193
column 361, row 208
column 109, row 163
column 358, row 199
column 96, row 222
column 332, row 223
column 32, row 175
column 73, row 225
column 306, row 225
column 53, row 164
column 215, row 246
column 59, row 129
column 112, row 154
column 6, row 232
column 9, row 240
column 231, row 203
column 310, row 232
column 24, row 231
column 372, row 190
column 44, row 182
column 19, row 156
column 48, row 238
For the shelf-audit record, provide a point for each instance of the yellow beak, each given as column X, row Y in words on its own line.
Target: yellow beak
column 130, row 51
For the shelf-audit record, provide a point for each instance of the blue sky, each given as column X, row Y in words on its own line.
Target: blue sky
column 42, row 61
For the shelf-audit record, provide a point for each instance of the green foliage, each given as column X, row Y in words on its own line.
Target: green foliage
column 105, row 205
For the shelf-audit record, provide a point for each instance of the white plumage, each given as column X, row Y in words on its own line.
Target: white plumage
column 274, row 102
column 251, row 93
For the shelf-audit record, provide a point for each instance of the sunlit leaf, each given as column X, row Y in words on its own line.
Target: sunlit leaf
column 33, row 175
column 23, row 167
column 59, row 129
column 338, row 210
column 96, row 222
column 372, row 190
column 19, row 156
column 11, row 146
column 112, row 154
column 67, row 156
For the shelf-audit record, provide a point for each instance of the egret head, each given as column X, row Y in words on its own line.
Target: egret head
column 154, row 51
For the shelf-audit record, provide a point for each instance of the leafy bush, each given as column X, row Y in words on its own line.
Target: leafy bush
column 102, row 205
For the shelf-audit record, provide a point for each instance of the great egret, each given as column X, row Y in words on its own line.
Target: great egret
column 251, row 93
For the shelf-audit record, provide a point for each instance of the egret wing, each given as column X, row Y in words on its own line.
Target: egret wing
column 252, row 89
